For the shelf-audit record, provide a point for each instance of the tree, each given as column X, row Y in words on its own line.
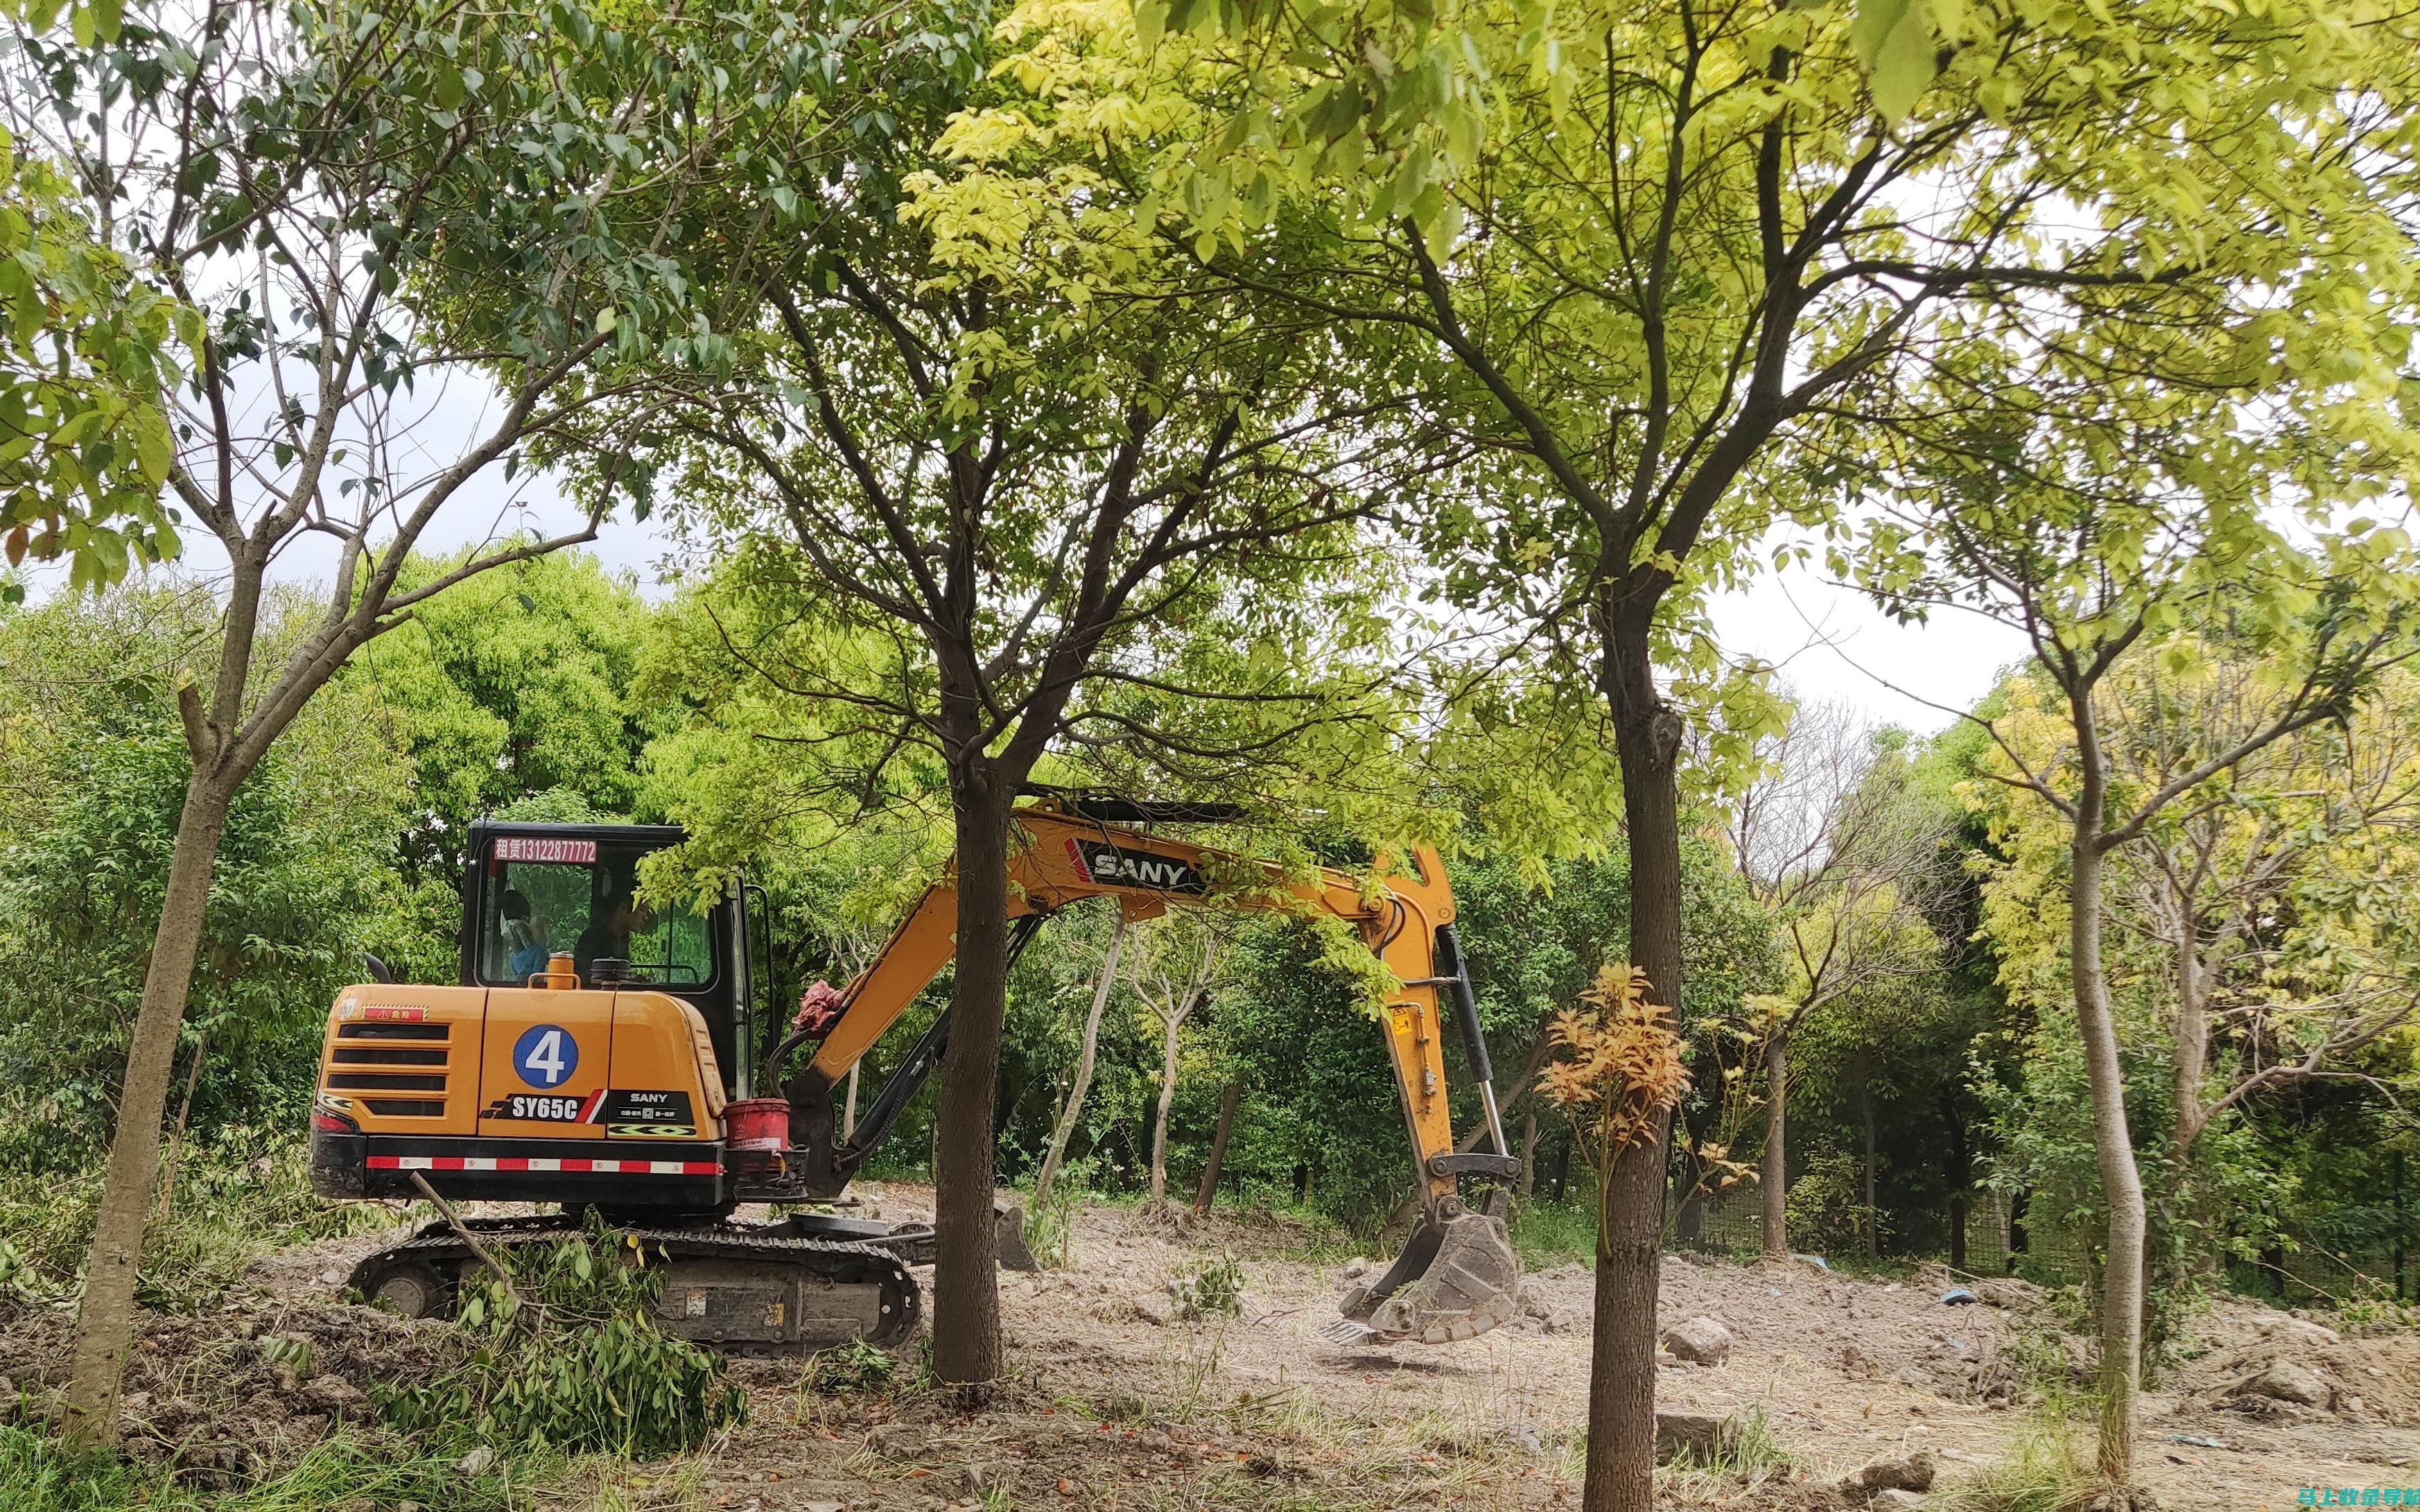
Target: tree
column 2091, row 551
column 1089, row 1046
column 2252, row 939
column 519, row 684
column 1024, row 458
column 1173, row 975
column 88, row 352
column 2276, row 889
column 1847, row 860
column 319, row 186
column 97, row 770
column 1673, row 252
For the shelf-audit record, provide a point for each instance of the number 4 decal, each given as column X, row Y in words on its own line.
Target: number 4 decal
column 546, row 1055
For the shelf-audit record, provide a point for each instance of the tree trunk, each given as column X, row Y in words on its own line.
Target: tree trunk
column 1228, row 1101
column 1620, row 1475
column 1159, row 1117
column 1064, row 1129
column 848, row 1107
column 966, row 1283
column 2192, row 1033
column 1529, row 1178
column 105, row 1319
column 1773, row 1169
column 2121, row 1185
column 1873, row 1222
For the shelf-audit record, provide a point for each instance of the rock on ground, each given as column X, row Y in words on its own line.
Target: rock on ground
column 1912, row 1473
column 2286, row 1381
column 1700, row 1341
column 1702, row 1434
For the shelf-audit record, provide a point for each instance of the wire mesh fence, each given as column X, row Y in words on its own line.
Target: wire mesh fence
column 2371, row 1266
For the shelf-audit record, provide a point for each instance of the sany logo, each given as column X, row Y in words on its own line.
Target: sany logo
column 1101, row 863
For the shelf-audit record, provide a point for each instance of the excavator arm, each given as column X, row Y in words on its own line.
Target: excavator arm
column 1458, row 1277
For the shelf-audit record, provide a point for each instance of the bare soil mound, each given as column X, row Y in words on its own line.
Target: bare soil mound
column 242, row 1390
column 2373, row 1379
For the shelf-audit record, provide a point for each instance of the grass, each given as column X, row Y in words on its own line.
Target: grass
column 1546, row 1232
column 1748, row 1456
column 35, row 1472
column 345, row 1472
column 235, row 1199
column 2046, row 1468
column 2044, row 1471
column 1330, row 1460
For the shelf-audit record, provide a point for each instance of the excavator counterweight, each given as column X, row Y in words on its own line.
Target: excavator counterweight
column 598, row 1054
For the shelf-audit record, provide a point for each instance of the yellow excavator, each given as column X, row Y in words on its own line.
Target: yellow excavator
column 600, row 1054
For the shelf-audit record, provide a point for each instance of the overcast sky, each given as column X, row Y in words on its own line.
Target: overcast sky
column 1833, row 646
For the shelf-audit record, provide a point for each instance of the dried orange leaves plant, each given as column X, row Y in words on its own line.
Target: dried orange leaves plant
column 1619, row 1070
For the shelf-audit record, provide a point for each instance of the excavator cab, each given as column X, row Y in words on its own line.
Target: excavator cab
column 533, row 891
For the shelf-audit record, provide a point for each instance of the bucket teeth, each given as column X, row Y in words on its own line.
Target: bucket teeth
column 1471, row 1284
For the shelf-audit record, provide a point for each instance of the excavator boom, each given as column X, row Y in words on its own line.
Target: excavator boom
column 1458, row 1275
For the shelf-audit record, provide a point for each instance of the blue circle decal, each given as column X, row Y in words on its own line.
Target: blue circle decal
column 546, row 1054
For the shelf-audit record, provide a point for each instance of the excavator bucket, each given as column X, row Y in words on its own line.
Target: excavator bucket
column 1455, row 1280
column 1008, row 1238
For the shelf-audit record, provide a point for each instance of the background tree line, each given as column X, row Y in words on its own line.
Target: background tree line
column 1875, row 904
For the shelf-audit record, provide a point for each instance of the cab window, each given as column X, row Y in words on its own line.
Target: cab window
column 547, row 894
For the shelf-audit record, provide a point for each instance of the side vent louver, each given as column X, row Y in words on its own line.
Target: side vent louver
column 372, row 1058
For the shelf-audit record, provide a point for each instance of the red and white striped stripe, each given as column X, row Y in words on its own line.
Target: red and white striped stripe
column 518, row 1162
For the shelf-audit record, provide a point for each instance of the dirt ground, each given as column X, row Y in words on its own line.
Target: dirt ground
column 1115, row 1402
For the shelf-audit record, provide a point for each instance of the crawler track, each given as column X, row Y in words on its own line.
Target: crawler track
column 724, row 1283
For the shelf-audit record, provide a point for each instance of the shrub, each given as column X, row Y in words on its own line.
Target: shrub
column 571, row 1361
column 1826, row 1206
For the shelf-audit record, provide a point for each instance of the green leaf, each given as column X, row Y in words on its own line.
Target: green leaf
column 1150, row 22
column 1894, row 41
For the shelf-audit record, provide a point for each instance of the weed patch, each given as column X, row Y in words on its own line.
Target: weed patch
column 1553, row 1233
column 2046, row 1469
column 1748, row 1454
column 1213, row 1288
column 236, row 1198
column 855, row 1368
column 1051, row 1225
